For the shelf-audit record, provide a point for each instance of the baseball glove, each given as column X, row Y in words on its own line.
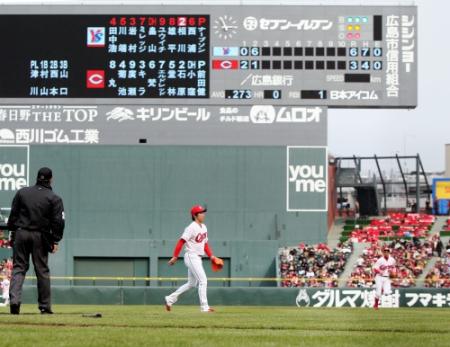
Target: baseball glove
column 393, row 274
column 216, row 264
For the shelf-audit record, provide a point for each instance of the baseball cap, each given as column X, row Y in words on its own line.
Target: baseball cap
column 44, row 174
column 196, row 209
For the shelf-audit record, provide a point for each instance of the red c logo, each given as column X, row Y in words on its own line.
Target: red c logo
column 225, row 64
column 95, row 79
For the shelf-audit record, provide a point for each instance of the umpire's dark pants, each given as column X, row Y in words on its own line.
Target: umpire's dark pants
column 26, row 243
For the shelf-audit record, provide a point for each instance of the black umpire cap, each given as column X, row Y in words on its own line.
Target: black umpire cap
column 44, row 174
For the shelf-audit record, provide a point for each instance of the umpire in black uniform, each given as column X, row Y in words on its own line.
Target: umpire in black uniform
column 36, row 222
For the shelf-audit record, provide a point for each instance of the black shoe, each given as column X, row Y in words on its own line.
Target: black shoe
column 14, row 308
column 46, row 311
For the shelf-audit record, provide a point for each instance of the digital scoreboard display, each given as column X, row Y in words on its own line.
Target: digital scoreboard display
column 83, row 56
column 335, row 56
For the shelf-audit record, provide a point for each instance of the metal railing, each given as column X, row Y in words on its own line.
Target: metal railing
column 174, row 281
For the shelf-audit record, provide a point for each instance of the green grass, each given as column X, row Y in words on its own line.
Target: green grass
column 229, row 326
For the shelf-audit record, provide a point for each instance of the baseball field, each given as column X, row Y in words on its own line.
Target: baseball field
column 74, row 325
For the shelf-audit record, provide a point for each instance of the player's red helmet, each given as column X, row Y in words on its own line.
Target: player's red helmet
column 196, row 209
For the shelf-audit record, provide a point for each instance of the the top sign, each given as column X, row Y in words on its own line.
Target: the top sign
column 336, row 56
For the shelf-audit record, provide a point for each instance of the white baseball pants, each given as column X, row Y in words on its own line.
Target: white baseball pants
column 382, row 286
column 196, row 277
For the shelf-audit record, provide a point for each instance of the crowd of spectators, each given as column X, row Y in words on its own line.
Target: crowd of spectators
column 447, row 225
column 313, row 265
column 439, row 276
column 395, row 225
column 6, row 266
column 411, row 257
column 4, row 239
column 5, row 277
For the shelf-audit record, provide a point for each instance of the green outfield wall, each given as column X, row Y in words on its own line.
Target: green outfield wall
column 126, row 206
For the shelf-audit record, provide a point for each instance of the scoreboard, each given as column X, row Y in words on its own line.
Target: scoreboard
column 335, row 56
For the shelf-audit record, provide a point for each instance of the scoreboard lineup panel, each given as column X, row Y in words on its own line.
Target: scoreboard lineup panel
column 335, row 56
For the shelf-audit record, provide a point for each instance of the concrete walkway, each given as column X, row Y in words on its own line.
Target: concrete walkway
column 335, row 233
column 421, row 279
column 438, row 226
column 357, row 251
